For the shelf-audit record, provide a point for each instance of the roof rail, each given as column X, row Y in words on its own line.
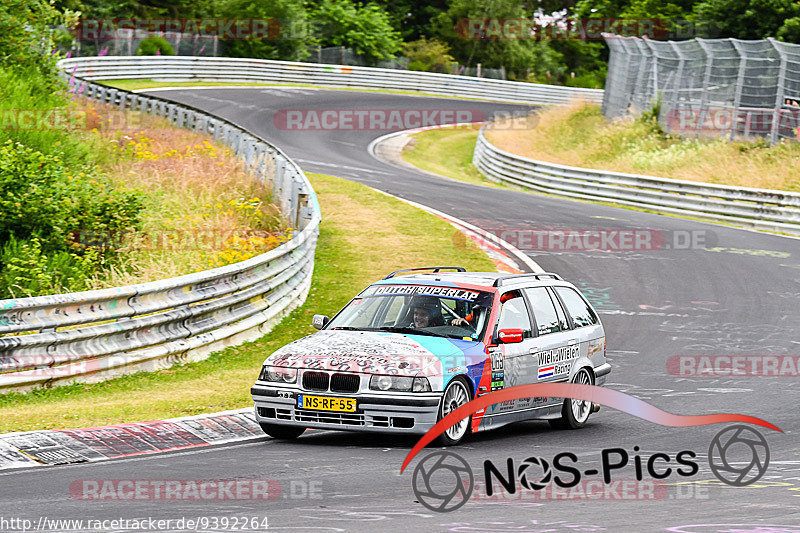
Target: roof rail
column 538, row 275
column 435, row 269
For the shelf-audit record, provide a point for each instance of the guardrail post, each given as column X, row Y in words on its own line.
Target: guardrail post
column 779, row 96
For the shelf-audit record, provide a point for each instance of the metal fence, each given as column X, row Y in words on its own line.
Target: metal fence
column 754, row 208
column 93, row 335
column 125, row 42
column 708, row 87
column 228, row 69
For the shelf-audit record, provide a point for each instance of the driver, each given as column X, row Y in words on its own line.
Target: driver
column 425, row 313
column 467, row 320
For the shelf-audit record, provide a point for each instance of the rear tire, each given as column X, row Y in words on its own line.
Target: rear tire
column 281, row 432
column 455, row 395
column 575, row 413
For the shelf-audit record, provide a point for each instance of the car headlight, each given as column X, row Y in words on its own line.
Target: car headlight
column 399, row 383
column 278, row 374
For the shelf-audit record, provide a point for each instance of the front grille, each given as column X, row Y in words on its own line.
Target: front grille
column 345, row 383
column 315, row 381
column 342, row 419
column 266, row 412
column 380, row 421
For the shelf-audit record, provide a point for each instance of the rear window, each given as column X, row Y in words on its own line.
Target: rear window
column 582, row 315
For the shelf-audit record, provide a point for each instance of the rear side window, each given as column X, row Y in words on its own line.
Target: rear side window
column 514, row 315
column 582, row 314
column 543, row 310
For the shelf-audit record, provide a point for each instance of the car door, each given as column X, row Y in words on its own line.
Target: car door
column 508, row 360
column 555, row 346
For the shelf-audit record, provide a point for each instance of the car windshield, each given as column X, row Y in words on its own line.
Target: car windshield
column 418, row 309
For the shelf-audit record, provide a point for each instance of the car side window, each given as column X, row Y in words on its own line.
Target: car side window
column 579, row 310
column 514, row 315
column 544, row 312
column 562, row 318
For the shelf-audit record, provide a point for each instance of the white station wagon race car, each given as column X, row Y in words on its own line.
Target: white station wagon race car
column 410, row 349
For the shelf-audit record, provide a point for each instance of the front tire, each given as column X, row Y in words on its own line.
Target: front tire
column 455, row 395
column 575, row 413
column 281, row 432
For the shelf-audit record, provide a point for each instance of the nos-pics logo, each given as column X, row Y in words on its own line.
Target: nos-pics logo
column 443, row 481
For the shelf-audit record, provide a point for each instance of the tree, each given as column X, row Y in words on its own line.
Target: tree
column 364, row 28
column 749, row 19
column 790, row 31
column 27, row 35
column 518, row 53
column 411, row 17
column 291, row 19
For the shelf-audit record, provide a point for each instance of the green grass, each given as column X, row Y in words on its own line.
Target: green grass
column 364, row 235
column 579, row 135
column 447, row 152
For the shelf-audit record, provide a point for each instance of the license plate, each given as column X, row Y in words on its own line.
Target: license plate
column 321, row 403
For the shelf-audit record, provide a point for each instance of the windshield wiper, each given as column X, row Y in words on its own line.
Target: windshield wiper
column 350, row 328
column 413, row 331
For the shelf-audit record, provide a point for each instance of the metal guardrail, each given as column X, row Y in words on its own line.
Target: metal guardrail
column 749, row 207
column 184, row 68
column 94, row 335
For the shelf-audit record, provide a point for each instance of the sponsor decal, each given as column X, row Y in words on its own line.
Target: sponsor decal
column 547, row 372
column 556, row 362
column 422, row 290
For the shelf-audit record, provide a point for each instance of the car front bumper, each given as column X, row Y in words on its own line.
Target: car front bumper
column 375, row 413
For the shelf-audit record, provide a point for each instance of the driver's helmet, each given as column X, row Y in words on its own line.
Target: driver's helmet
column 431, row 306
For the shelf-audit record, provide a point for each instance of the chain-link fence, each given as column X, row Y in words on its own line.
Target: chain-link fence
column 707, row 87
column 125, row 42
column 340, row 55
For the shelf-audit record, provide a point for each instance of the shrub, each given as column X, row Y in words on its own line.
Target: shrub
column 46, row 203
column 155, row 45
column 429, row 56
column 30, row 271
column 28, row 89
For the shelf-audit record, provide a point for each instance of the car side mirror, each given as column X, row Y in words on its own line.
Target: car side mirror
column 509, row 336
column 320, row 321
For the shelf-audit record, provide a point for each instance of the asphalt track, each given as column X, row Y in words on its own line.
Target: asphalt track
column 735, row 295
